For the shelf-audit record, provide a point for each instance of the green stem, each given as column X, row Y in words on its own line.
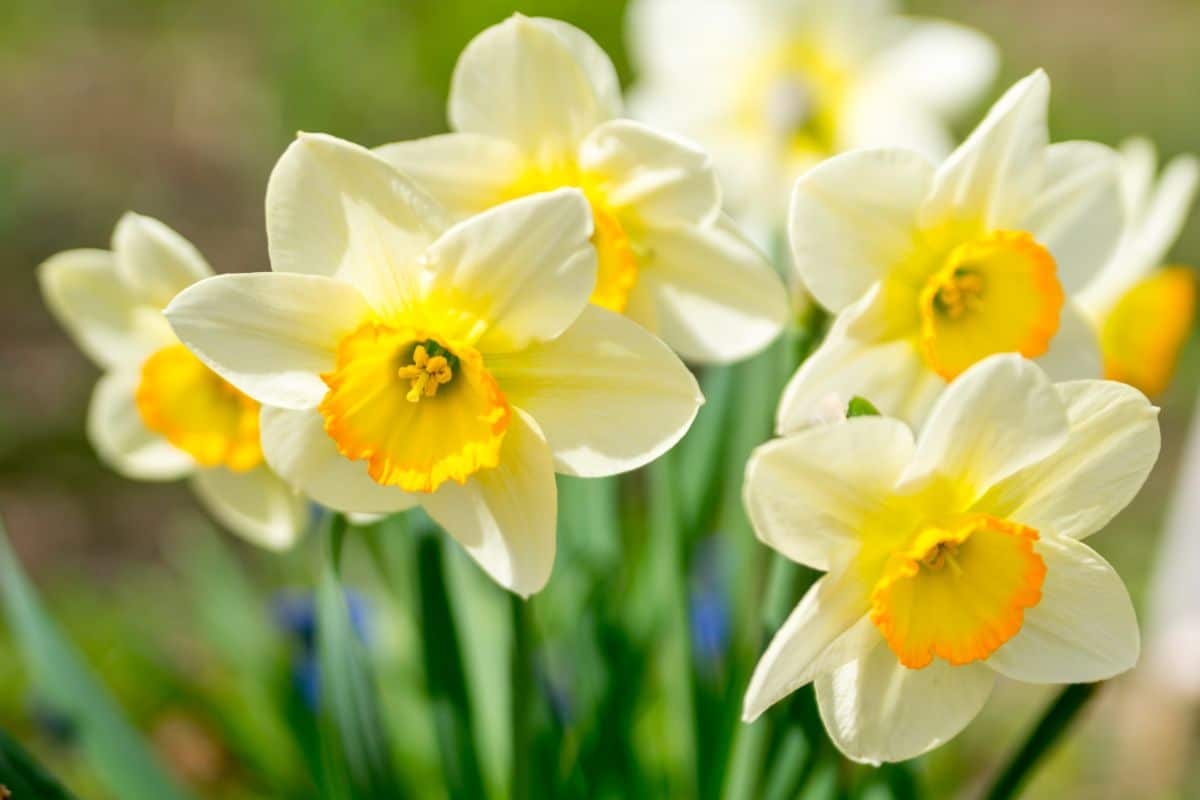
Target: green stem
column 444, row 674
column 1045, row 735
column 780, row 596
column 794, row 759
column 522, row 697
column 750, row 742
column 680, row 689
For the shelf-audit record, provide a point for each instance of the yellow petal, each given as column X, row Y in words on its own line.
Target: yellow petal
column 415, row 432
column 995, row 294
column 616, row 263
column 1143, row 334
column 197, row 411
column 958, row 591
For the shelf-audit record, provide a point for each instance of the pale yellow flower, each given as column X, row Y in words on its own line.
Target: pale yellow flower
column 534, row 106
column 1142, row 309
column 412, row 360
column 771, row 87
column 953, row 555
column 931, row 269
column 158, row 413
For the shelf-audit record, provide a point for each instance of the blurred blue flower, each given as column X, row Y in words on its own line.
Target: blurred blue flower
column 55, row 725
column 555, row 687
column 295, row 612
column 708, row 607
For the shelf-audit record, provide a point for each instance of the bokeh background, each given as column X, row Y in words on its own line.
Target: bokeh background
column 179, row 109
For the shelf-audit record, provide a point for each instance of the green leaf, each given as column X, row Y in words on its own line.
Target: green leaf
column 1042, row 739
column 861, row 407
column 445, row 675
column 702, row 450
column 230, row 616
column 114, row 750
column 353, row 735
column 24, row 777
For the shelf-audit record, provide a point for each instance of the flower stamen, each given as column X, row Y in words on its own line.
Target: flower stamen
column 427, row 372
column 959, row 292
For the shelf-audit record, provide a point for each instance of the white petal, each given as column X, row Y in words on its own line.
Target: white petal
column 1139, row 163
column 1084, row 628
column 108, row 321
column 298, row 449
column 505, row 517
column 465, row 172
column 853, row 219
column 256, row 505
column 608, row 396
column 996, row 174
column 809, row 495
column 865, row 354
column 155, row 261
column 593, row 59
column 1162, row 220
column 823, row 632
column 1074, row 352
column 521, row 80
column 715, row 297
column 523, row 270
column 336, row 209
column 123, row 442
column 937, row 65
column 877, row 710
column 270, row 334
column 1113, row 445
column 688, row 43
column 998, row 417
column 653, row 176
column 1079, row 213
column 875, row 116
column 1156, row 215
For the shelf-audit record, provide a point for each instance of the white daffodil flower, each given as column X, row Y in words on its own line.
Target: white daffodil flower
column 932, row 269
column 158, row 413
column 409, row 359
column 951, row 557
column 1142, row 310
column 534, row 106
column 771, row 87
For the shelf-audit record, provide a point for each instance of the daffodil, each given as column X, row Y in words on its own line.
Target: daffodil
column 405, row 359
column 931, row 269
column 771, row 87
column 158, row 413
column 951, row 556
column 534, row 106
column 1142, row 309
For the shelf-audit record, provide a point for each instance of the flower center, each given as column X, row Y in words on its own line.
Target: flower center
column 197, row 411
column 958, row 590
column 419, row 410
column 796, row 95
column 1143, row 333
column 790, row 104
column 995, row 294
column 958, row 293
column 432, row 366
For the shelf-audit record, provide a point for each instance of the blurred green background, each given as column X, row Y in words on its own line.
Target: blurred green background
column 179, row 110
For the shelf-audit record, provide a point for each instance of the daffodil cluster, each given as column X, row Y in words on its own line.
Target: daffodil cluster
column 451, row 321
